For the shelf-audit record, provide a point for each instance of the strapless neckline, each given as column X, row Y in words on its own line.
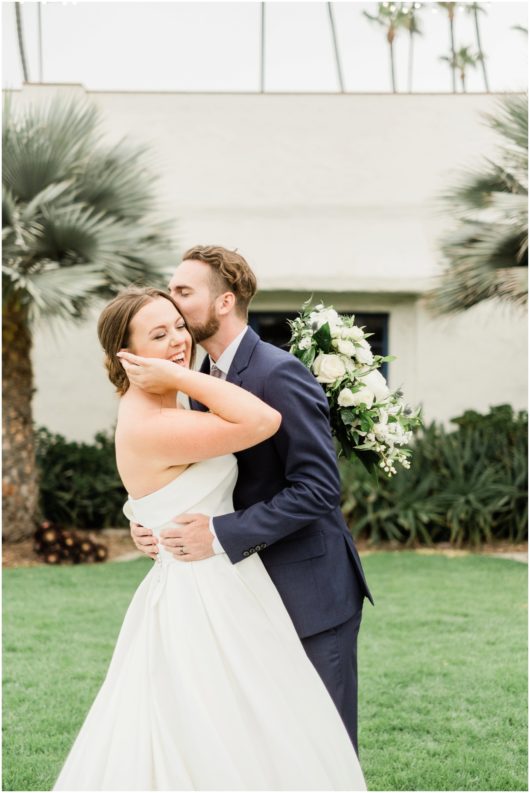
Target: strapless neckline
column 212, row 463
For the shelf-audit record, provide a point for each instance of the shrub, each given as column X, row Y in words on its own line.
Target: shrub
column 468, row 485
column 79, row 482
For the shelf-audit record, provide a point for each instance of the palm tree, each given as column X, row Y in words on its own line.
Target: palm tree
column 451, row 10
column 340, row 77
column 475, row 9
column 76, row 227
column 20, row 38
column 391, row 17
column 462, row 60
column 410, row 23
column 487, row 253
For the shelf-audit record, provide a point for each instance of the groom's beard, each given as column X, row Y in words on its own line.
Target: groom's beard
column 207, row 329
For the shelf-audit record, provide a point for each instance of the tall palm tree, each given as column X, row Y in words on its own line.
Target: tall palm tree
column 450, row 8
column 410, row 23
column 76, row 227
column 20, row 39
column 392, row 18
column 475, row 9
column 462, row 60
column 487, row 252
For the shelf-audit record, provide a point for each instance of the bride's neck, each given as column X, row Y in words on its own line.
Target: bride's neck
column 166, row 400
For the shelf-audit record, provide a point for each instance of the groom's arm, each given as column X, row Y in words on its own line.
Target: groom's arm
column 305, row 445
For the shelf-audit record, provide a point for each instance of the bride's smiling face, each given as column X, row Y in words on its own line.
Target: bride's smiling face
column 157, row 330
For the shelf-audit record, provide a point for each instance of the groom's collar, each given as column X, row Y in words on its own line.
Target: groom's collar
column 224, row 362
column 244, row 352
column 241, row 358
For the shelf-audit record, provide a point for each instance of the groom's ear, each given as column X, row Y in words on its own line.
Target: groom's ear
column 226, row 303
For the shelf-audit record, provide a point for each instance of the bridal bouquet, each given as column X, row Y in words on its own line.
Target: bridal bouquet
column 366, row 418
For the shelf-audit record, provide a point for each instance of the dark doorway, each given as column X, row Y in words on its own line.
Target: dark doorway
column 272, row 326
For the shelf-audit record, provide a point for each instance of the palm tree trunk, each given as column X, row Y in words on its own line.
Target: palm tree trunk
column 262, row 51
column 479, row 49
column 392, row 66
column 463, row 80
column 20, row 36
column 340, row 78
column 20, row 492
column 453, row 52
column 411, row 59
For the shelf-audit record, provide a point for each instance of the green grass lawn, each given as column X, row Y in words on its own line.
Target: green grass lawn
column 443, row 660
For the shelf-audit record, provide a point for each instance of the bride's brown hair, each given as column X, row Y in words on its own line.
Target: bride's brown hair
column 114, row 326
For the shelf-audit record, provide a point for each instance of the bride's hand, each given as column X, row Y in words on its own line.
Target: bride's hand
column 155, row 375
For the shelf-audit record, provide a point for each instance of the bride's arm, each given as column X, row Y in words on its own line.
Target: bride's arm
column 238, row 419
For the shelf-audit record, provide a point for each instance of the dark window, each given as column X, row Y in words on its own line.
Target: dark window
column 272, row 326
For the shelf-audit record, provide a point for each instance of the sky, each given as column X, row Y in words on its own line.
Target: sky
column 215, row 46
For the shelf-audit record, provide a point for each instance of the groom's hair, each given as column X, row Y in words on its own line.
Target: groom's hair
column 229, row 272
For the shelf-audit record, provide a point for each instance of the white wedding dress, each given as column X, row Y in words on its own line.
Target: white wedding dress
column 209, row 687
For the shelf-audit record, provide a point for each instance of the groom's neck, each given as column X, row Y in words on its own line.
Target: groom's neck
column 217, row 344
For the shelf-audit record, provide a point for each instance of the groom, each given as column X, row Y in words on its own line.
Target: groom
column 287, row 496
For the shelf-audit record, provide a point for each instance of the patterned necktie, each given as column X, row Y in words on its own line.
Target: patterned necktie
column 215, row 372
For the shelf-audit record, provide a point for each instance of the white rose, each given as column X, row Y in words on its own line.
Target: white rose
column 344, row 347
column 305, row 343
column 365, row 396
column 356, row 333
column 348, row 363
column 364, row 356
column 320, row 318
column 328, row 368
column 346, row 398
column 381, row 430
column 383, row 416
column 377, row 384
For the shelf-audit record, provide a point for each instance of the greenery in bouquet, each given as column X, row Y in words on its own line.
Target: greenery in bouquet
column 367, row 419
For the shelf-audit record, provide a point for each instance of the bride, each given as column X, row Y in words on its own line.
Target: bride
column 209, row 687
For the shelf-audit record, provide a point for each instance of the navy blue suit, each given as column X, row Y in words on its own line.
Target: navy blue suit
column 287, row 509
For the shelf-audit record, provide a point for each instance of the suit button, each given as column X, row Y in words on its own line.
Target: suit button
column 246, row 553
column 252, row 550
column 263, row 545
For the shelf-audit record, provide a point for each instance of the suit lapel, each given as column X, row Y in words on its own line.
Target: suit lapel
column 242, row 357
column 239, row 364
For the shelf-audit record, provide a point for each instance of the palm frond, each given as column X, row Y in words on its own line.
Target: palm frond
column 486, row 254
column 79, row 217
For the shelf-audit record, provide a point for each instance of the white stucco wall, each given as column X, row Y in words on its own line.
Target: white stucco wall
column 331, row 194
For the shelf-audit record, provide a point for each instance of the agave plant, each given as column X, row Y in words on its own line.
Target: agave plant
column 77, row 225
column 487, row 253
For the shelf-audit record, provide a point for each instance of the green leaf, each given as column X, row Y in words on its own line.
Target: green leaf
column 323, row 338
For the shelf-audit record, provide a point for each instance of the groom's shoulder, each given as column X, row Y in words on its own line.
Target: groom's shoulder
column 272, row 356
column 270, row 360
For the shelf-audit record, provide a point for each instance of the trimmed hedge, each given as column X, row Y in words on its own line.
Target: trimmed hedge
column 79, row 482
column 466, row 486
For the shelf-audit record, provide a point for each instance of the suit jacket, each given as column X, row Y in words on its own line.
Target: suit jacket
column 287, row 496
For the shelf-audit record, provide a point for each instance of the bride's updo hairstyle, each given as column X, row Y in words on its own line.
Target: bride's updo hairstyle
column 114, row 328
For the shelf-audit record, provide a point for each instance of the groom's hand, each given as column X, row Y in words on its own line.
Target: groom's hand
column 192, row 534
column 155, row 375
column 144, row 539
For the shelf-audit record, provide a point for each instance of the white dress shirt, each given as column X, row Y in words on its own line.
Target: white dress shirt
column 223, row 364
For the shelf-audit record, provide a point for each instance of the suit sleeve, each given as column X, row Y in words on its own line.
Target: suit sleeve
column 305, row 445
